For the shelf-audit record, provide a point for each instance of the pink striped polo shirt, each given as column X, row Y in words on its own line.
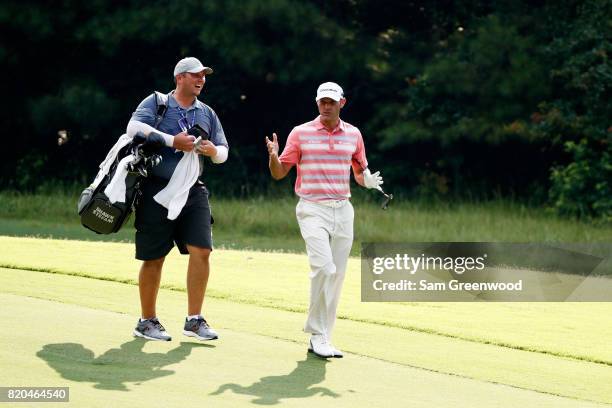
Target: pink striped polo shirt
column 324, row 159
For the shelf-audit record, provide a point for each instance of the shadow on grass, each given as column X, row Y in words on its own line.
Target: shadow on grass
column 297, row 384
column 117, row 366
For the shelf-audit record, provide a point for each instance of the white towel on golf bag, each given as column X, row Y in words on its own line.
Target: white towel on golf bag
column 174, row 195
column 115, row 190
column 110, row 159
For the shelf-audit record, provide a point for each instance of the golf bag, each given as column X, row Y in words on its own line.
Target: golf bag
column 97, row 211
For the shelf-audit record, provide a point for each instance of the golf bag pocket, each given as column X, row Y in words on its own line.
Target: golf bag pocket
column 100, row 215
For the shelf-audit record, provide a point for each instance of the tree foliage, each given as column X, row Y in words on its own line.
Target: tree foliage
column 455, row 99
column 578, row 115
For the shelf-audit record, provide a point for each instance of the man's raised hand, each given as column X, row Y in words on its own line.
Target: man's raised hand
column 272, row 145
column 372, row 180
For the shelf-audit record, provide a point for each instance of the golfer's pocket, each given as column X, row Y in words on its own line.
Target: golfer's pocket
column 350, row 210
column 302, row 210
column 298, row 210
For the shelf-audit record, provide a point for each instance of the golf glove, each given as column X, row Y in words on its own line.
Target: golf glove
column 372, row 180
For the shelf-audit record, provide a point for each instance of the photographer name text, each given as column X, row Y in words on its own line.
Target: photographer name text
column 452, row 285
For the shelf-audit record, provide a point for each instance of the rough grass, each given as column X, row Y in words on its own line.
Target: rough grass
column 269, row 223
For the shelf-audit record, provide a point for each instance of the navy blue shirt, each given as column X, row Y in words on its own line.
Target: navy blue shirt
column 198, row 112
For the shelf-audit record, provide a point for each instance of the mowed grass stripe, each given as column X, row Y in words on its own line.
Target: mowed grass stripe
column 574, row 330
column 300, row 310
column 543, row 373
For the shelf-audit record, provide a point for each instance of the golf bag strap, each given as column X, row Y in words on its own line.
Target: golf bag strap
column 161, row 103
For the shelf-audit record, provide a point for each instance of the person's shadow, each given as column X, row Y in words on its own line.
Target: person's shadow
column 297, row 384
column 114, row 368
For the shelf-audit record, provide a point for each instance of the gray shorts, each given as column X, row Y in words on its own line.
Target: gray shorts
column 156, row 234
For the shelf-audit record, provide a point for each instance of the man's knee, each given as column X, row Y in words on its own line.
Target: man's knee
column 319, row 268
column 155, row 264
column 202, row 254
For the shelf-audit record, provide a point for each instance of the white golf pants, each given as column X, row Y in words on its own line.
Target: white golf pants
column 328, row 233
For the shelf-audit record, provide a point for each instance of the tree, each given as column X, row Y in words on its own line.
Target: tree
column 577, row 116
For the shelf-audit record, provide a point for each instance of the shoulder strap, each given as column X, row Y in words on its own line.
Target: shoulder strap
column 161, row 104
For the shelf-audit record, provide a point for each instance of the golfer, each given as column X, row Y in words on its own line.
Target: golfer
column 174, row 208
column 324, row 150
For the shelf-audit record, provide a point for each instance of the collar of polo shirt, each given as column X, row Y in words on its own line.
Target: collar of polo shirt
column 172, row 103
column 321, row 126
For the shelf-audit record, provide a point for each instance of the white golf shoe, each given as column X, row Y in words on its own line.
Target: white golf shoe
column 320, row 346
column 337, row 353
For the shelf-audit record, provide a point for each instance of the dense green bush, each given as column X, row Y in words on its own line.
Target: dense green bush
column 579, row 115
column 582, row 187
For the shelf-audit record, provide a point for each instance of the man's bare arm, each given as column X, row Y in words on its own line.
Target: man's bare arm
column 278, row 170
column 358, row 174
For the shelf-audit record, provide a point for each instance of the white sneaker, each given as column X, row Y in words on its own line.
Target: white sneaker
column 320, row 346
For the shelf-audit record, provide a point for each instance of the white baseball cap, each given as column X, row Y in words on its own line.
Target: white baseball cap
column 330, row 90
column 191, row 64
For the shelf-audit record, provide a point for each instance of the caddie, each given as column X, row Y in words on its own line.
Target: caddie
column 174, row 206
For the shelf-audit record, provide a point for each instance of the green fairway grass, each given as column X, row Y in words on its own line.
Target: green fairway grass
column 87, row 346
column 556, row 348
column 270, row 279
